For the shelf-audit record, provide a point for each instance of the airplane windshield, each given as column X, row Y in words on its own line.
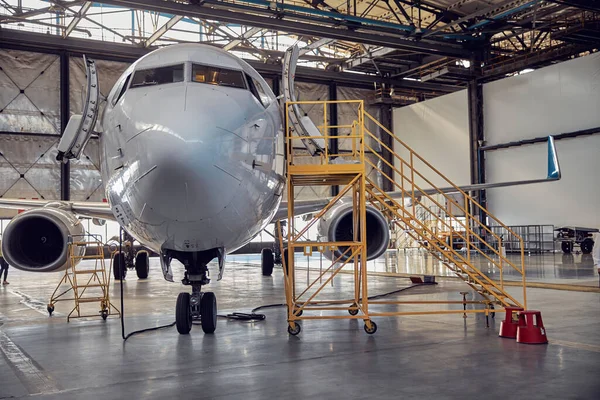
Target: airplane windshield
column 157, row 76
column 218, row 76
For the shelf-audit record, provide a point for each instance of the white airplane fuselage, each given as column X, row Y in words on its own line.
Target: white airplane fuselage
column 190, row 166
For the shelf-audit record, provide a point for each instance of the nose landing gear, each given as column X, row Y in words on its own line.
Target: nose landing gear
column 196, row 306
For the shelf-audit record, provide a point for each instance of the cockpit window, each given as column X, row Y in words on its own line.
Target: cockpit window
column 121, row 89
column 258, row 91
column 157, row 76
column 218, row 76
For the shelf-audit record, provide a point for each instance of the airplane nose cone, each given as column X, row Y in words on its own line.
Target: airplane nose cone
column 184, row 167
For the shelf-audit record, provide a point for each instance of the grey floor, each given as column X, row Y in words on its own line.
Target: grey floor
column 429, row 356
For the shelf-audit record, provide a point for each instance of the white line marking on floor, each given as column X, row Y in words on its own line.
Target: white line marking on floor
column 32, row 377
column 34, row 304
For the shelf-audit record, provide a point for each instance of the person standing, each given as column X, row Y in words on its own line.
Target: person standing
column 3, row 266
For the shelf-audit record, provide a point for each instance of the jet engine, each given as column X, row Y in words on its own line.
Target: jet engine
column 37, row 240
column 337, row 226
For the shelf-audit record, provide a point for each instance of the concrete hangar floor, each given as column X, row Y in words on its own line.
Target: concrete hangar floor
column 425, row 356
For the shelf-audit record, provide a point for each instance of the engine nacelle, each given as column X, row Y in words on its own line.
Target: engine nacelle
column 337, row 226
column 37, row 240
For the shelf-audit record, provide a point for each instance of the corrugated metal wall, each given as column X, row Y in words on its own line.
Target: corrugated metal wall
column 29, row 125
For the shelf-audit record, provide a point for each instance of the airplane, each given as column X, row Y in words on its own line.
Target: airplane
column 193, row 164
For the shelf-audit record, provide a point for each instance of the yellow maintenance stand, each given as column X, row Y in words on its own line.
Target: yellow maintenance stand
column 347, row 172
column 416, row 206
column 89, row 283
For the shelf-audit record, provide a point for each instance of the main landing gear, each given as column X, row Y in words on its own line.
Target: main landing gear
column 129, row 259
column 267, row 261
column 198, row 305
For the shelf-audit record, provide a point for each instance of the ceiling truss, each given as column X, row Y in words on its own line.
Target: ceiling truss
column 443, row 42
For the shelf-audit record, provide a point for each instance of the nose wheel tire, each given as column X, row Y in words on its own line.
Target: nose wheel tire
column 267, row 260
column 208, row 312
column 183, row 314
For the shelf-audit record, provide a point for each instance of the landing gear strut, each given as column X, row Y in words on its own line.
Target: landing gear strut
column 196, row 306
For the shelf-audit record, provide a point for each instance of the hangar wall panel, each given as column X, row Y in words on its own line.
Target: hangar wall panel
column 348, row 112
column 29, row 167
column 573, row 200
column 561, row 98
column 438, row 130
column 29, row 92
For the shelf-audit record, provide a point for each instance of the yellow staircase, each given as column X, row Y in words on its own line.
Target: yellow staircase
column 416, row 185
column 428, row 214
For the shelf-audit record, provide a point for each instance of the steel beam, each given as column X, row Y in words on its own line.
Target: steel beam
column 542, row 139
column 82, row 11
column 65, row 167
column 333, row 120
column 387, row 121
column 315, row 45
column 37, row 42
column 246, row 35
column 370, row 55
column 162, row 30
column 286, row 24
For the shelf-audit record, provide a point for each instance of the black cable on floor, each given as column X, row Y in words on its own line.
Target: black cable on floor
column 130, row 334
column 237, row 316
column 377, row 296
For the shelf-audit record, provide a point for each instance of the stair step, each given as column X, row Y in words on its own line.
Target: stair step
column 91, row 299
column 88, row 271
column 493, row 292
column 92, row 285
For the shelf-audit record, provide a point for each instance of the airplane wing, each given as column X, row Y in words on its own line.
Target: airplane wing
column 82, row 208
column 554, row 174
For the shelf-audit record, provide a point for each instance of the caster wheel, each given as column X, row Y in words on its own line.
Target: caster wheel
column 50, row 310
column 371, row 330
column 353, row 312
column 295, row 330
column 299, row 313
column 104, row 314
column 587, row 246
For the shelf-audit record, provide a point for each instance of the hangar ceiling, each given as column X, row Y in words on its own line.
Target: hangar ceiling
column 444, row 43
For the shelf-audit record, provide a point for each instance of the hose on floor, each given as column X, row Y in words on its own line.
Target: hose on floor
column 130, row 334
column 377, row 296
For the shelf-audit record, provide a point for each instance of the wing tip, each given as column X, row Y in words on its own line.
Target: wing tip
column 554, row 172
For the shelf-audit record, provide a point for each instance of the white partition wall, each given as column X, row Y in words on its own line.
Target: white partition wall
column 561, row 98
column 438, row 130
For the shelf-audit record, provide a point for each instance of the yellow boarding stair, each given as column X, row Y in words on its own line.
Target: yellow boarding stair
column 416, row 185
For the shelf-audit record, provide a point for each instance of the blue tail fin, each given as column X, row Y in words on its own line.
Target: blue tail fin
column 553, row 167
